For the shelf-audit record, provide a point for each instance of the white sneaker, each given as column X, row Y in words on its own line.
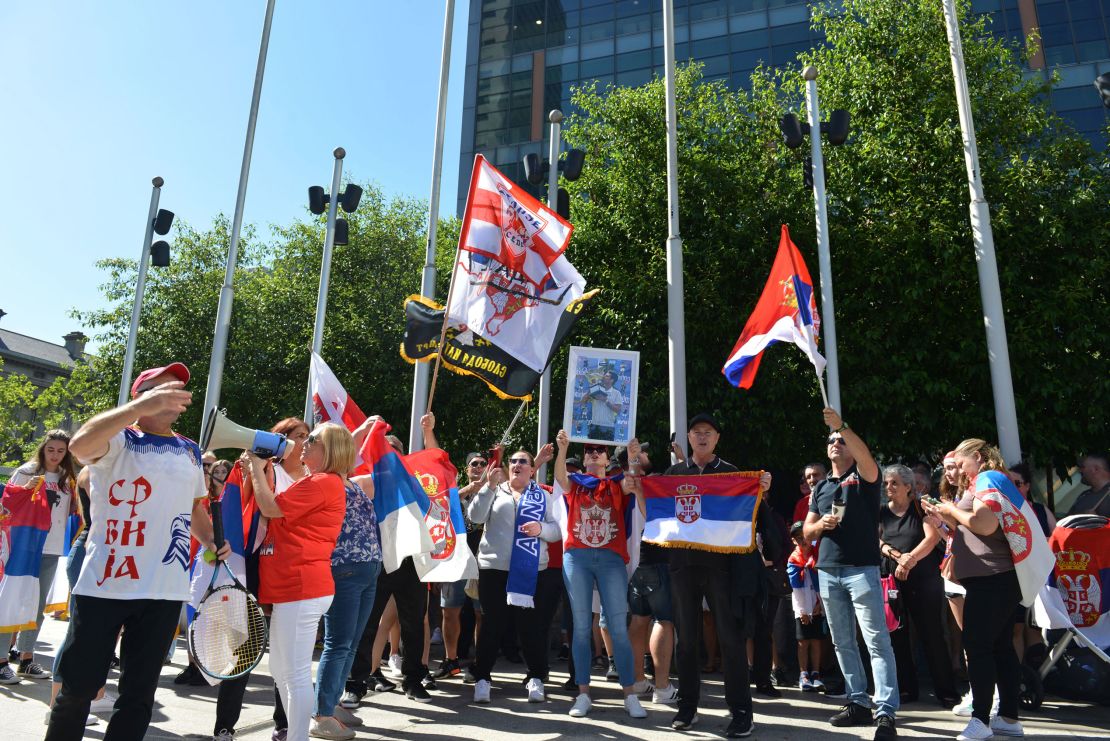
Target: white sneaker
column 642, row 687
column 481, row 691
column 346, row 717
column 535, row 690
column 92, row 720
column 581, row 706
column 395, row 665
column 350, row 700
column 224, row 735
column 666, row 696
column 633, row 707
column 437, row 637
column 976, row 730
column 103, row 704
column 1003, row 727
column 963, row 707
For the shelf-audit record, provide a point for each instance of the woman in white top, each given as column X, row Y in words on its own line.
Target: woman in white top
column 55, row 464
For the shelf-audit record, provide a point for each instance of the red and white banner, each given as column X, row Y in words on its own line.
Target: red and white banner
column 330, row 399
column 506, row 224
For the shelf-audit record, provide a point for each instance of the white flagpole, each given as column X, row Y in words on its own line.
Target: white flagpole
column 421, row 393
column 543, row 405
column 227, row 293
column 990, row 292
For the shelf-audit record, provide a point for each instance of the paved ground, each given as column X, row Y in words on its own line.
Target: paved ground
column 188, row 712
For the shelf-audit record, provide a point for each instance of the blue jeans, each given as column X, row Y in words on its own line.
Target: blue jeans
column 355, row 584
column 852, row 593
column 582, row 569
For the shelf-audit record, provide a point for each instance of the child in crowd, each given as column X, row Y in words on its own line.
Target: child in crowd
column 811, row 629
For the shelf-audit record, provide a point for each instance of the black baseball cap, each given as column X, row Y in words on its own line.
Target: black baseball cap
column 473, row 455
column 704, row 417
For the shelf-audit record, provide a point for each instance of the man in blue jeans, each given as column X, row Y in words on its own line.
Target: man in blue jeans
column 844, row 515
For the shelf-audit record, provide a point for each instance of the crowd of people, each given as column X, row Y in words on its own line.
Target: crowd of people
column 871, row 555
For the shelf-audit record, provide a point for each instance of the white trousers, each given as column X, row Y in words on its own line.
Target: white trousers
column 292, row 637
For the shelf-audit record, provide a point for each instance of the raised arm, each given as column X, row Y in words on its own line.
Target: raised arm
column 90, row 444
column 263, row 493
column 428, row 426
column 562, row 442
column 865, row 464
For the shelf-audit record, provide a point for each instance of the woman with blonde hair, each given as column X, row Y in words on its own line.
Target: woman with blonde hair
column 58, row 469
column 295, row 563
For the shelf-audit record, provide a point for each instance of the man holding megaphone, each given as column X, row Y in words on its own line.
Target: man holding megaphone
column 146, row 491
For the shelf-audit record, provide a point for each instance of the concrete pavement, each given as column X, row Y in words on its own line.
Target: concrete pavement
column 188, row 712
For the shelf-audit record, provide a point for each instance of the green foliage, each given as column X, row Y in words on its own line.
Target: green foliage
column 16, row 393
column 914, row 370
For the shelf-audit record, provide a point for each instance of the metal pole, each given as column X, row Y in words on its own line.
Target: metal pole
column 140, row 286
column 325, row 274
column 421, row 372
column 227, row 293
column 828, row 313
column 994, row 321
column 543, row 404
column 676, row 320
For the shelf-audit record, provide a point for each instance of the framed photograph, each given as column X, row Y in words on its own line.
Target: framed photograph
column 601, row 395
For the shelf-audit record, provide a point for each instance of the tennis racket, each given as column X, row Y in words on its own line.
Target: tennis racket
column 228, row 634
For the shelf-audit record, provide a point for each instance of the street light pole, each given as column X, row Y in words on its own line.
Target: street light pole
column 325, row 272
column 421, row 372
column 994, row 321
column 140, row 287
column 227, row 293
column 676, row 321
column 828, row 314
column 543, row 405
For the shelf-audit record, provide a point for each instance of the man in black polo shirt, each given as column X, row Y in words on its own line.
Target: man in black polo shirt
column 732, row 583
column 848, row 576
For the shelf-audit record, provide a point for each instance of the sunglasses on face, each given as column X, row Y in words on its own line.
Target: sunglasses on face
column 593, row 451
column 477, row 463
column 519, row 462
column 835, row 441
column 310, row 440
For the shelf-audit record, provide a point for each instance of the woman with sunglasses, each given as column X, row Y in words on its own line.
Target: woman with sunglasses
column 595, row 553
column 295, row 573
column 517, row 515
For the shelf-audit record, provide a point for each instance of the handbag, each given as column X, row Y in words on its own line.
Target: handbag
column 890, row 605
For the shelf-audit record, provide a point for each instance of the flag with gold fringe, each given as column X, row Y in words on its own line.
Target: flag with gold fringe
column 715, row 512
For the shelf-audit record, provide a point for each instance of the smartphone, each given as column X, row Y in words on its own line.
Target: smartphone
column 673, row 435
column 493, row 456
column 931, row 500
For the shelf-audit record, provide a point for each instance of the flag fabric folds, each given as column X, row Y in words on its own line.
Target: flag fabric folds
column 714, row 512
column 1033, row 559
column 399, row 500
column 24, row 524
column 469, row 354
column 1081, row 577
column 511, row 282
column 330, row 399
column 786, row 312
column 450, row 558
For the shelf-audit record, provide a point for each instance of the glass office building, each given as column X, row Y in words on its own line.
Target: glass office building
column 523, row 57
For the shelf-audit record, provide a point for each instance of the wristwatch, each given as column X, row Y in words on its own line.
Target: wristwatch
column 843, row 426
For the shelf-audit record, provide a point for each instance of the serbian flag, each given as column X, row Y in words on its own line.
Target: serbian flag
column 507, row 225
column 1033, row 559
column 786, row 312
column 1081, row 544
column 400, row 502
column 715, row 512
column 24, row 523
column 239, row 522
column 450, row 558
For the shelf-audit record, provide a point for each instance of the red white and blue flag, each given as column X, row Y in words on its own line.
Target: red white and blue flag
column 450, row 558
column 400, row 502
column 786, row 312
column 1033, row 559
column 24, row 524
column 715, row 512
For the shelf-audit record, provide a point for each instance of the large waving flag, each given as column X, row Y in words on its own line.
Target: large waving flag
column 1033, row 559
column 330, row 399
column 786, row 312
column 715, row 512
column 450, row 559
column 399, row 500
column 24, row 523
column 511, row 283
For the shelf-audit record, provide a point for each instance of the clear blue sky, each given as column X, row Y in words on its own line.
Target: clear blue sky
column 100, row 97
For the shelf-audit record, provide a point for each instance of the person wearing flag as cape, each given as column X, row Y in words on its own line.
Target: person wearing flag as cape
column 732, row 583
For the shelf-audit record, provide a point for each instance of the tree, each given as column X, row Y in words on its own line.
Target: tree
column 913, row 364
column 16, row 393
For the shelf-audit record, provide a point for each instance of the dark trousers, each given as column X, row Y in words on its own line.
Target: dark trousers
column 411, row 596
column 95, row 622
column 763, row 643
column 922, row 604
column 786, row 645
column 988, row 643
column 527, row 622
column 709, row 579
column 229, row 705
column 552, row 587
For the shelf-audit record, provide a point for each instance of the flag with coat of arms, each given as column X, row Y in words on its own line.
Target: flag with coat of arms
column 786, row 312
column 511, row 282
column 450, row 558
column 712, row 512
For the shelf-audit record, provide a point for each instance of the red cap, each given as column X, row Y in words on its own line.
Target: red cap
column 177, row 369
